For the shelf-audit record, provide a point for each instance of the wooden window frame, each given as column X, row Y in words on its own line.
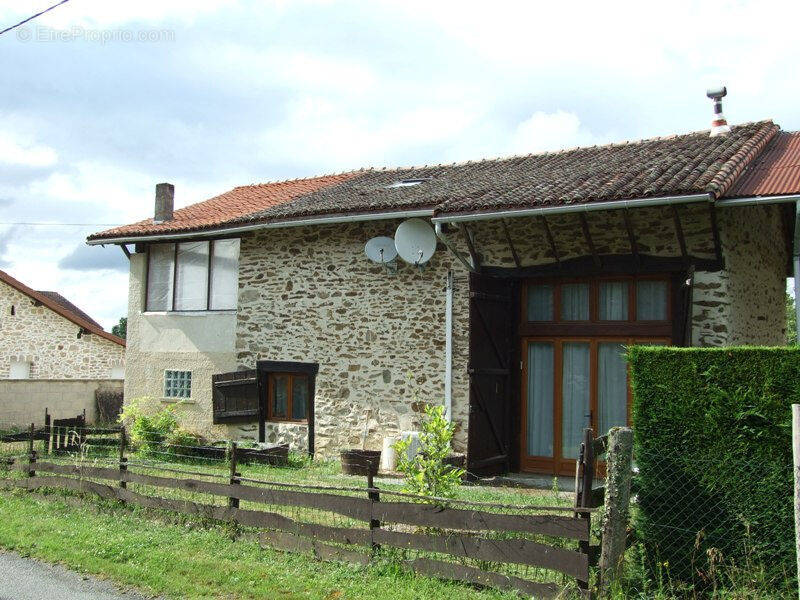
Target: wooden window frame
column 595, row 327
column 557, row 463
column 171, row 301
column 271, row 417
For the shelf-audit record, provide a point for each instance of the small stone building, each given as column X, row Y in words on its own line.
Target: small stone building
column 44, row 341
column 260, row 313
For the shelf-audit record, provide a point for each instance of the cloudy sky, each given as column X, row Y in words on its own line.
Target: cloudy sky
column 102, row 99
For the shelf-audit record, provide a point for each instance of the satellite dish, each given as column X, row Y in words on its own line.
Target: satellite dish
column 415, row 241
column 381, row 250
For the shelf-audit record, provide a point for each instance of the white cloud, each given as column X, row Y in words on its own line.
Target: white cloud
column 549, row 131
column 15, row 152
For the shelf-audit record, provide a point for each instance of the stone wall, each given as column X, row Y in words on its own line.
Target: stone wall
column 23, row 401
column 50, row 342
column 310, row 295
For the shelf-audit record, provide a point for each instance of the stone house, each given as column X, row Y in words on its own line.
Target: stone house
column 260, row 313
column 52, row 356
column 44, row 336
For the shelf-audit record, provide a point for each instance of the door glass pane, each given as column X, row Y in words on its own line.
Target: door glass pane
column 613, row 304
column 299, row 397
column 280, row 396
column 575, row 396
column 612, row 387
column 540, row 399
column 651, row 300
column 575, row 302
column 540, row 303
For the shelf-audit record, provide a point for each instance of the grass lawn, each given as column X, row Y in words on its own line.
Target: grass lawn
column 187, row 558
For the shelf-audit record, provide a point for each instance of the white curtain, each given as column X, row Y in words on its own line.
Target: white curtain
column 225, row 275
column 540, row 399
column 612, row 387
column 651, row 300
column 540, row 303
column 613, row 304
column 159, row 277
column 191, row 287
column 575, row 396
column 575, row 302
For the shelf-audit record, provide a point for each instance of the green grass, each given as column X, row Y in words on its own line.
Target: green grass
column 188, row 558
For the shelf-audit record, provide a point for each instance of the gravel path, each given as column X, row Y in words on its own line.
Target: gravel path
column 28, row 579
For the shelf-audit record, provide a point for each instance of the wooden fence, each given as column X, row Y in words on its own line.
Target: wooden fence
column 459, row 540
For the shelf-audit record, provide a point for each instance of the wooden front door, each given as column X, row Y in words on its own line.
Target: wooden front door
column 574, row 375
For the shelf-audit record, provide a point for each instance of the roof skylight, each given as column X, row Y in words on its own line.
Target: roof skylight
column 406, row 182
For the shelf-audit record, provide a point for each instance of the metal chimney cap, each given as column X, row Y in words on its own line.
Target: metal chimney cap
column 717, row 93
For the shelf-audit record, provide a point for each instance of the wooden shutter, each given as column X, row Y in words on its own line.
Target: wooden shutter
column 490, row 351
column 235, row 396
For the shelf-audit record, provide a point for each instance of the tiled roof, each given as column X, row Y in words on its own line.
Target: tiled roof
column 775, row 172
column 77, row 316
column 59, row 299
column 677, row 165
column 222, row 209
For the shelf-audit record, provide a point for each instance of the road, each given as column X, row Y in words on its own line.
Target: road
column 27, row 579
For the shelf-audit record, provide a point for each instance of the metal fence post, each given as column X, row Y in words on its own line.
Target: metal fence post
column 619, row 471
column 234, row 480
column 123, row 461
column 796, row 464
column 31, row 453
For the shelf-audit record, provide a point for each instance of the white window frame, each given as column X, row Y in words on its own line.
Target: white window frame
column 208, row 292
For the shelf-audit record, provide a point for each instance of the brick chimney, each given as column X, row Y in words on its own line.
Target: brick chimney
column 165, row 202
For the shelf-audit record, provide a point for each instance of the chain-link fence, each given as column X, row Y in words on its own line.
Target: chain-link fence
column 706, row 521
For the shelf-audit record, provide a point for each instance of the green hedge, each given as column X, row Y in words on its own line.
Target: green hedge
column 713, row 446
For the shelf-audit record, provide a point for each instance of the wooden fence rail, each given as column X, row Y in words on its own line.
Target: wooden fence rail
column 462, row 532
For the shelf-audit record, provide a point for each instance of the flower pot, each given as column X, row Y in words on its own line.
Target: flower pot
column 360, row 462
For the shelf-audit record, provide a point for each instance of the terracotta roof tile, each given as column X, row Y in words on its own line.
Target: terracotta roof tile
column 222, row 209
column 676, row 165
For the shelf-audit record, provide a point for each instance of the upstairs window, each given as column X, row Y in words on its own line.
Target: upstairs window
column 192, row 276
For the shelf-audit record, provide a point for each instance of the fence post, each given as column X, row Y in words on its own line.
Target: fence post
column 31, row 453
column 796, row 464
column 619, row 471
column 234, row 480
column 374, row 496
column 584, row 480
column 123, row 461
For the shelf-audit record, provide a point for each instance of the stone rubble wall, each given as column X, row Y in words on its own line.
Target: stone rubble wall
column 50, row 343
column 309, row 294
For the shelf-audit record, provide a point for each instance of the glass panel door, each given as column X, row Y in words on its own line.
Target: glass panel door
column 575, row 395
column 612, row 386
column 539, row 407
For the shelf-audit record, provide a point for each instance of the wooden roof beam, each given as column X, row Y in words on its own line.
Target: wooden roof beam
column 632, row 238
column 514, row 254
column 550, row 240
column 679, row 233
column 587, row 234
column 473, row 255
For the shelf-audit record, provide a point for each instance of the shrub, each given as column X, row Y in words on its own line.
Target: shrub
column 155, row 432
column 428, row 472
column 713, row 447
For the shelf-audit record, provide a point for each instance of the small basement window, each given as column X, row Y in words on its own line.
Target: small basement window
column 178, row 384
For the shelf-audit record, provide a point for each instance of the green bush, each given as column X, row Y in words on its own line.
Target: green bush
column 155, row 431
column 713, row 446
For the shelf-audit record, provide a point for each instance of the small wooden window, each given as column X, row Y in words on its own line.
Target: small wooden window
column 288, row 397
